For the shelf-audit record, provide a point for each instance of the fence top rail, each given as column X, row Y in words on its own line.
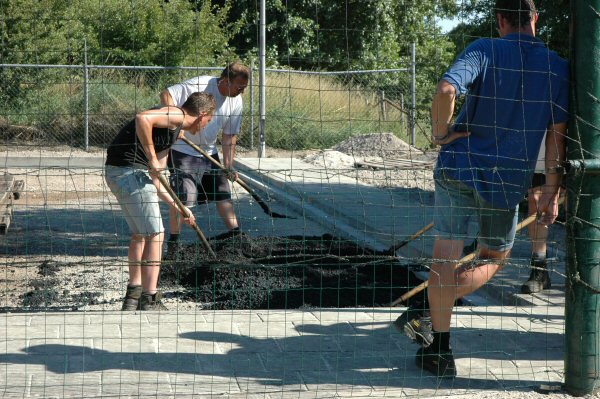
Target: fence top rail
column 154, row 67
column 291, row 71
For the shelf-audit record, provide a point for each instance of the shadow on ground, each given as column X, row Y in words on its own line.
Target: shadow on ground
column 358, row 354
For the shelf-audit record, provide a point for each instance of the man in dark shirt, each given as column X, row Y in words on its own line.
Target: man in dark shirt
column 516, row 90
column 135, row 158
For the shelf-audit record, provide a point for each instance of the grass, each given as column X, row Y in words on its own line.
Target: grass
column 303, row 111
column 310, row 111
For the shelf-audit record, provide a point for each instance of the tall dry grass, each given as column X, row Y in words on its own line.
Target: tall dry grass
column 316, row 111
column 303, row 111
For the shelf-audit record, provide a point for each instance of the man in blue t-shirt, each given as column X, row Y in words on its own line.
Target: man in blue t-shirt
column 516, row 90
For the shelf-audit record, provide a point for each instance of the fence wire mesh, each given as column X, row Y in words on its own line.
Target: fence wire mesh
column 84, row 106
column 313, row 304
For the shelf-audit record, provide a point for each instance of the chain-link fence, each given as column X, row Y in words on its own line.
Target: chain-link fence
column 320, row 109
column 83, row 106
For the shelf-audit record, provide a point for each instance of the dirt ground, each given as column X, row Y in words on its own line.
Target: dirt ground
column 67, row 243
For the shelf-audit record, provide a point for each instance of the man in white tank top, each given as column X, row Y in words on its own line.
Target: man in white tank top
column 193, row 177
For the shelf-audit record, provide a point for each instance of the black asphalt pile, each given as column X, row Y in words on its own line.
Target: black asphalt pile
column 286, row 273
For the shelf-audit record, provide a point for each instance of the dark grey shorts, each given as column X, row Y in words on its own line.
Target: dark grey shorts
column 197, row 180
column 456, row 203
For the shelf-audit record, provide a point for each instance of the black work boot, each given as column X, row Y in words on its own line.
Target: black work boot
column 172, row 250
column 152, row 301
column 132, row 297
column 415, row 322
column 438, row 362
column 539, row 279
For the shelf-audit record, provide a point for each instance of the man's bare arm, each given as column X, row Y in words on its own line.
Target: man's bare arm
column 442, row 109
column 228, row 147
column 166, row 98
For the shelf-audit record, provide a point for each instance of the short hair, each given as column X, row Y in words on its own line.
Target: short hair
column 199, row 102
column 518, row 13
column 236, row 70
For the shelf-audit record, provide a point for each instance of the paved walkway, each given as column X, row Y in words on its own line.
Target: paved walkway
column 270, row 354
column 506, row 344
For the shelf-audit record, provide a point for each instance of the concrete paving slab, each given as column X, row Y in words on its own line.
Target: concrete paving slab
column 184, row 345
column 282, row 315
column 328, row 358
column 338, row 202
column 295, row 361
column 341, row 315
column 274, row 329
column 104, row 330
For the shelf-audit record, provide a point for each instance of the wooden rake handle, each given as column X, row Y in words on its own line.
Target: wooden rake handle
column 407, row 295
column 392, row 250
column 184, row 210
column 239, row 181
column 425, row 284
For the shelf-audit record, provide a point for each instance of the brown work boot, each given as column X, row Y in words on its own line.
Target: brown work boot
column 152, row 301
column 132, row 297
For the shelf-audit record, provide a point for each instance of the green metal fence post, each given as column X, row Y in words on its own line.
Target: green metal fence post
column 582, row 323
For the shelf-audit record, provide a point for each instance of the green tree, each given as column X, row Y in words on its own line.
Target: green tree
column 338, row 35
column 352, row 35
column 144, row 32
column 480, row 21
column 45, row 32
column 136, row 32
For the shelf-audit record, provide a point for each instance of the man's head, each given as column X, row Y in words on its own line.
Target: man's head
column 518, row 13
column 234, row 79
column 201, row 105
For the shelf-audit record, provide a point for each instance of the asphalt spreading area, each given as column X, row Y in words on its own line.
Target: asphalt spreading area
column 287, row 273
column 272, row 272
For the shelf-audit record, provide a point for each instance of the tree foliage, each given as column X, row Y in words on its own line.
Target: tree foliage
column 306, row 34
column 479, row 20
column 340, row 35
column 136, row 32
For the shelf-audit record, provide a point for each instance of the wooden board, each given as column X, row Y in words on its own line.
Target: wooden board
column 399, row 163
column 7, row 182
column 5, row 217
column 9, row 189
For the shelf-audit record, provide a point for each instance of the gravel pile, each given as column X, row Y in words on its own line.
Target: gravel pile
column 383, row 145
column 346, row 157
column 332, row 159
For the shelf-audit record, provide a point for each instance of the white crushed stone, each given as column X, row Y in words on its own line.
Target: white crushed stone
column 377, row 148
column 375, row 144
column 331, row 159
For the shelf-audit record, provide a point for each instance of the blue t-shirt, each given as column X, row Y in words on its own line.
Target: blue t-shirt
column 515, row 88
